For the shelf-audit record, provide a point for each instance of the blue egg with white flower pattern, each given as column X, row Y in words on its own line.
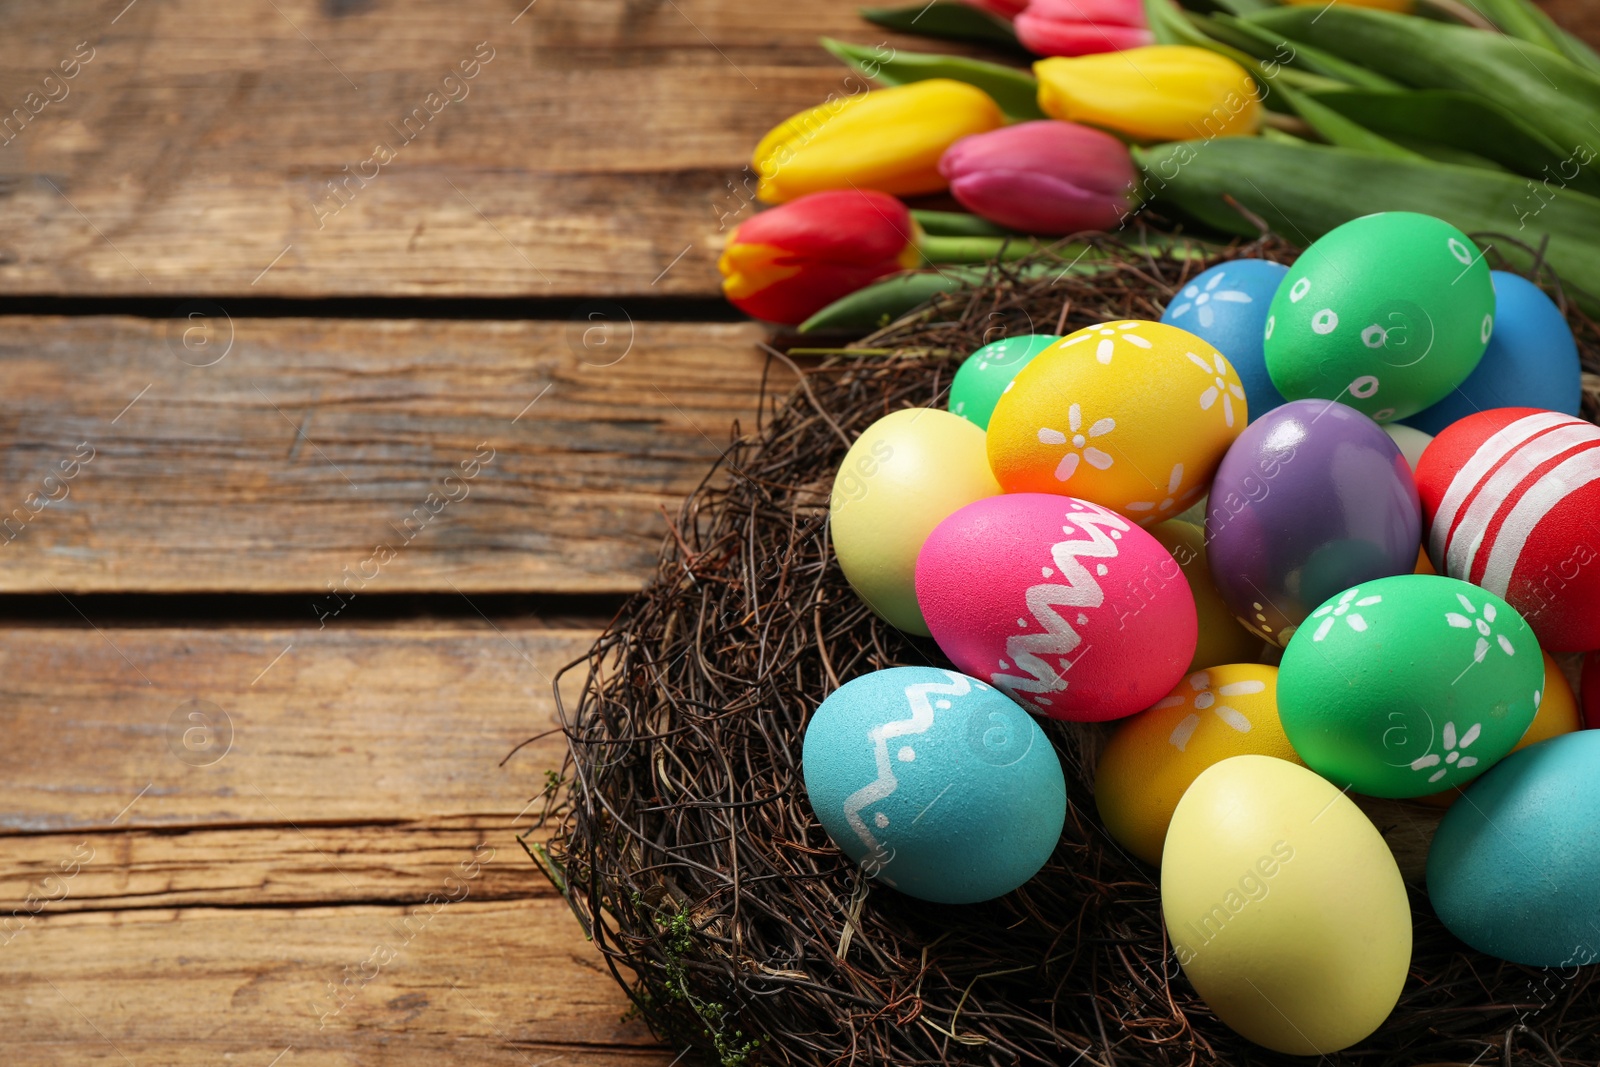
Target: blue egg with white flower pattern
column 1227, row 307
column 934, row 783
column 1531, row 362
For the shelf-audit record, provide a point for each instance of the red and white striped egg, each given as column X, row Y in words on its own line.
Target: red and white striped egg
column 1511, row 499
column 1066, row 606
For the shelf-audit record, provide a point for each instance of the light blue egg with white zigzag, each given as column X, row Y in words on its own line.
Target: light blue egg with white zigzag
column 1227, row 307
column 935, row 783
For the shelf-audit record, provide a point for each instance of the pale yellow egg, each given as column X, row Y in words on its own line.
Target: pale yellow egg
column 1153, row 758
column 906, row 474
column 1285, row 907
column 1134, row 416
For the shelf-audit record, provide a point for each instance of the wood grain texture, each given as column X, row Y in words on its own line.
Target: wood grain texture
column 497, row 983
column 351, row 727
column 324, row 454
column 602, row 141
column 357, row 832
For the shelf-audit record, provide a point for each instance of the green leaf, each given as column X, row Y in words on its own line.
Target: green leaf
column 956, row 224
column 882, row 302
column 1245, row 7
column 1016, row 91
column 1280, row 49
column 950, row 21
column 1467, row 123
column 1540, row 87
column 1303, row 191
column 1523, row 20
column 1336, row 129
column 1172, row 25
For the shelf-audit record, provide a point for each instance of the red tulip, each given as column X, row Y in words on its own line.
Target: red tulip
column 1082, row 27
column 1043, row 177
column 791, row 261
column 1006, row 9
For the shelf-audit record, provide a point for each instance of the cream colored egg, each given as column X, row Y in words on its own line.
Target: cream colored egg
column 1411, row 441
column 908, row 472
column 1285, row 906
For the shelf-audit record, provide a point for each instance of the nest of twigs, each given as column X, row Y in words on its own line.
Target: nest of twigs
column 686, row 847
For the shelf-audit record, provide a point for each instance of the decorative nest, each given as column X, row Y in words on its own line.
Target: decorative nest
column 685, row 844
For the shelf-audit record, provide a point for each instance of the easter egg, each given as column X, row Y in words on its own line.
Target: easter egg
column 1514, row 871
column 1387, row 313
column 901, row 478
column 1411, row 442
column 1285, row 907
column 1231, row 710
column 1510, row 498
column 1067, row 606
column 936, row 784
column 1227, row 308
column 1557, row 715
column 1313, row 498
column 1409, row 685
column 985, row 374
column 1134, row 416
column 1221, row 638
column 1531, row 361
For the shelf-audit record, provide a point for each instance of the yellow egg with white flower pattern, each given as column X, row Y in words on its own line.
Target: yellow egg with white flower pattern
column 1153, row 758
column 1134, row 416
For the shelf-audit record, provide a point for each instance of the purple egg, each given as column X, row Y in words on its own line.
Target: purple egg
column 1312, row 498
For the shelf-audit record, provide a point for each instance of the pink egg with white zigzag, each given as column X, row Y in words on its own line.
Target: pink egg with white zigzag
column 1069, row 608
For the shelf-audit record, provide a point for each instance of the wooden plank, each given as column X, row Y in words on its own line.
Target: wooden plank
column 599, row 148
column 186, row 917
column 327, row 457
column 265, row 866
column 492, row 983
column 332, row 727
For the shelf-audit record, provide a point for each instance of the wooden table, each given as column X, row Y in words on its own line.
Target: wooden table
column 351, row 352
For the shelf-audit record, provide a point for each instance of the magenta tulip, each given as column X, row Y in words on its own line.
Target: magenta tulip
column 1006, row 9
column 1043, row 177
column 1082, row 27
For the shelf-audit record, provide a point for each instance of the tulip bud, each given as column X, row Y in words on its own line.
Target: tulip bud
column 1006, row 9
column 1160, row 93
column 1043, row 177
column 1083, row 27
column 788, row 263
column 888, row 139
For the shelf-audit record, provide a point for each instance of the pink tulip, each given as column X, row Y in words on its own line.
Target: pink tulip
column 1082, row 27
column 1006, row 9
column 1043, row 177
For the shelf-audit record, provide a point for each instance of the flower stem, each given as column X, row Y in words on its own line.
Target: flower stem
column 937, row 249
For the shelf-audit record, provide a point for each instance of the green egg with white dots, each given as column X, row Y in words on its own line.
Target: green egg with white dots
column 1409, row 685
column 986, row 373
column 1387, row 314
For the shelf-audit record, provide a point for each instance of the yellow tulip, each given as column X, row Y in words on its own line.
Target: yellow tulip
column 1159, row 93
column 888, row 139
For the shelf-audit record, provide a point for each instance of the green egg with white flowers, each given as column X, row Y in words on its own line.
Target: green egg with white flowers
column 1387, row 314
column 987, row 373
column 1409, row 685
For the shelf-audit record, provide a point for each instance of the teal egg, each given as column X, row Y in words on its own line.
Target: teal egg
column 986, row 373
column 1387, row 314
column 935, row 783
column 1513, row 870
column 1409, row 685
